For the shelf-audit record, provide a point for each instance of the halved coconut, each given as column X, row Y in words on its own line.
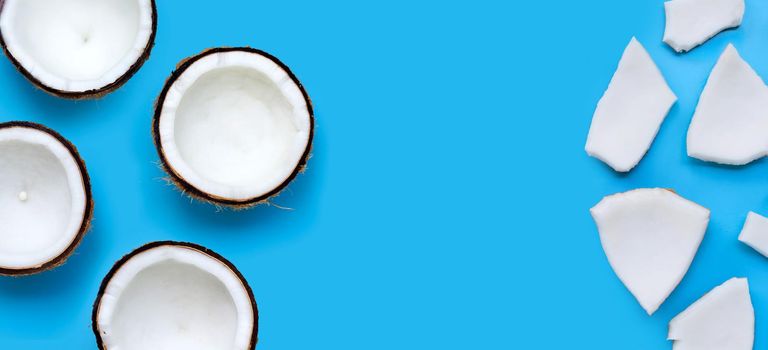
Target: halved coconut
column 692, row 22
column 722, row 319
column 650, row 237
column 45, row 198
column 173, row 295
column 731, row 118
column 233, row 126
column 630, row 112
column 77, row 48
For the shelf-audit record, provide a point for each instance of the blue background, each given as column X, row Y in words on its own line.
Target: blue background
column 446, row 202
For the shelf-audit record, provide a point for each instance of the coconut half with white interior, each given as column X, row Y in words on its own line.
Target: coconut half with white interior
column 174, row 295
column 78, row 48
column 233, row 126
column 45, row 198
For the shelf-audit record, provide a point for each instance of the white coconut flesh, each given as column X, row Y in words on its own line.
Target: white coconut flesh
column 175, row 298
column 650, row 237
column 692, row 22
column 630, row 112
column 731, row 118
column 234, row 125
column 722, row 319
column 76, row 45
column 42, row 198
column 755, row 233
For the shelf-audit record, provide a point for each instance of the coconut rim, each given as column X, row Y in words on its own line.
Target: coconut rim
column 152, row 245
column 187, row 187
column 87, row 216
column 93, row 93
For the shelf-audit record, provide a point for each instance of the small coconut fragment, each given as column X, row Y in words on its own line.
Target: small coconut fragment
column 630, row 112
column 692, row 22
column 233, row 126
column 731, row 119
column 175, row 296
column 721, row 319
column 650, row 237
column 77, row 48
column 755, row 233
column 45, row 198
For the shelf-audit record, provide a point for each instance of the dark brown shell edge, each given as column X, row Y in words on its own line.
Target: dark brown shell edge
column 152, row 245
column 94, row 93
column 84, row 226
column 194, row 192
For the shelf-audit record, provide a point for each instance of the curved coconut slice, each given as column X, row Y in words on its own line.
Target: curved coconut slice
column 233, row 126
column 731, row 119
column 630, row 112
column 692, row 22
column 45, row 198
column 755, row 233
column 721, row 319
column 173, row 295
column 77, row 48
column 650, row 237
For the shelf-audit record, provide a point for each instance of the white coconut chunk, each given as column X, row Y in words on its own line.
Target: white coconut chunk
column 730, row 123
column 755, row 233
column 721, row 319
column 175, row 296
column 630, row 112
column 44, row 201
column 234, row 126
column 650, row 237
column 692, row 22
column 77, row 46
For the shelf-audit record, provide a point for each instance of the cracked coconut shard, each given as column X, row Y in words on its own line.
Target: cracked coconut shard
column 690, row 23
column 721, row 319
column 731, row 119
column 630, row 112
column 650, row 237
column 755, row 233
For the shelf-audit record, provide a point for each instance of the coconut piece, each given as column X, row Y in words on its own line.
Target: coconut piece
column 692, row 22
column 45, row 198
column 630, row 112
column 721, row 319
column 731, row 119
column 755, row 233
column 174, row 296
column 77, row 48
column 233, row 126
column 650, row 237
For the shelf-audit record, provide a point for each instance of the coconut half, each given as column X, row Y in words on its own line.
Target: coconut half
column 630, row 112
column 722, row 319
column 692, row 22
column 650, row 237
column 175, row 296
column 233, row 126
column 731, row 118
column 77, row 48
column 45, row 198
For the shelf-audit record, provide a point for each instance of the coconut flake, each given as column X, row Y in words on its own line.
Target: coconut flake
column 755, row 233
column 650, row 237
column 731, row 120
column 630, row 112
column 692, row 22
column 721, row 319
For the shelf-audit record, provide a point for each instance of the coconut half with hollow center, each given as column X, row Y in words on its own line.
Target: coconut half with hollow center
column 45, row 198
column 173, row 295
column 78, row 48
column 233, row 126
